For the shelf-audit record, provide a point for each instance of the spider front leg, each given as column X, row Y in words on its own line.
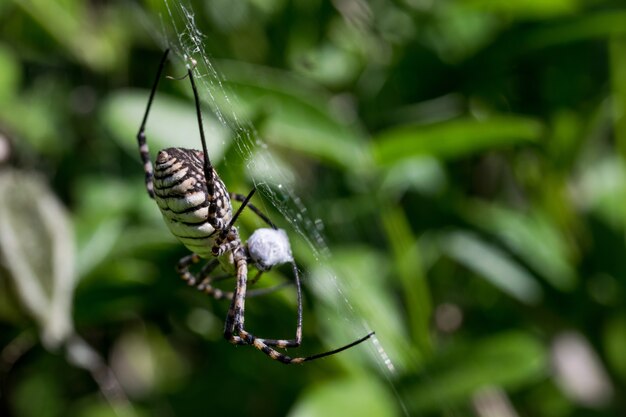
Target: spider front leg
column 242, row 198
column 234, row 328
column 235, row 333
column 235, row 317
column 217, row 198
column 144, row 152
column 234, row 325
column 263, row 346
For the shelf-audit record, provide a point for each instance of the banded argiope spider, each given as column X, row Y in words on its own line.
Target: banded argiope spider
column 197, row 209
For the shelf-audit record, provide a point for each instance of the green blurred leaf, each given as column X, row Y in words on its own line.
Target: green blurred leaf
column 144, row 361
column 617, row 50
column 267, row 167
column 458, row 31
column 601, row 189
column 509, row 360
column 171, row 123
column 34, row 121
column 95, row 42
column 598, row 25
column 10, row 77
column 103, row 205
column 363, row 397
column 96, row 406
column 291, row 113
column 329, row 65
column 410, row 271
column 101, row 198
column 567, row 131
column 422, row 174
column 520, row 9
column 493, row 264
column 615, row 345
column 532, row 237
column 99, row 245
column 359, row 274
column 37, row 248
column 44, row 387
column 454, row 139
column 10, row 310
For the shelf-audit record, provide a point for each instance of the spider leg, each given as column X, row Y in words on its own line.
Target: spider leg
column 256, row 210
column 256, row 278
column 235, row 317
column 228, row 276
column 263, row 291
column 223, row 277
column 264, row 347
column 204, row 280
column 283, row 343
column 219, row 206
column 235, row 332
column 228, row 238
column 252, row 293
column 183, row 268
column 234, row 325
column 144, row 152
column 204, row 284
column 246, row 203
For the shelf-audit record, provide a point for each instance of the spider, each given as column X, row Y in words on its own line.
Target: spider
column 196, row 207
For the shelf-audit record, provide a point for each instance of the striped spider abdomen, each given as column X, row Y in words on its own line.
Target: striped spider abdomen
column 182, row 195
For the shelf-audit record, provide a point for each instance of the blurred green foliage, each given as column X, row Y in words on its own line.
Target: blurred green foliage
column 466, row 158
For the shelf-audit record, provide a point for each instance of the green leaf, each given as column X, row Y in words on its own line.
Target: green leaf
column 42, row 385
column 454, row 139
column 582, row 27
column 358, row 274
column 171, row 123
column 9, row 74
column 458, row 31
column 95, row 42
column 145, row 362
column 37, row 249
column 617, row 49
column 363, row 397
column 601, row 189
column 410, row 274
column 531, row 236
column 526, row 8
column 96, row 406
column 422, row 174
column 510, row 360
column 493, row 264
column 329, row 65
column 292, row 113
column 615, row 345
column 102, row 207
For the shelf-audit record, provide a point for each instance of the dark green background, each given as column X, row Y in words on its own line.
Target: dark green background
column 465, row 157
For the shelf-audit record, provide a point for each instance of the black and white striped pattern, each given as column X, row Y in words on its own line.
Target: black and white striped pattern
column 181, row 194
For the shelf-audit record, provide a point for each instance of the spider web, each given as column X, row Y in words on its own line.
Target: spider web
column 189, row 46
column 181, row 35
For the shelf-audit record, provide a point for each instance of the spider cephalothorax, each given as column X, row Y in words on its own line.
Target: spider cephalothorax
column 197, row 209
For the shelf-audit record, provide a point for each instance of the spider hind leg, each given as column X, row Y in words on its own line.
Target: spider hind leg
column 203, row 281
